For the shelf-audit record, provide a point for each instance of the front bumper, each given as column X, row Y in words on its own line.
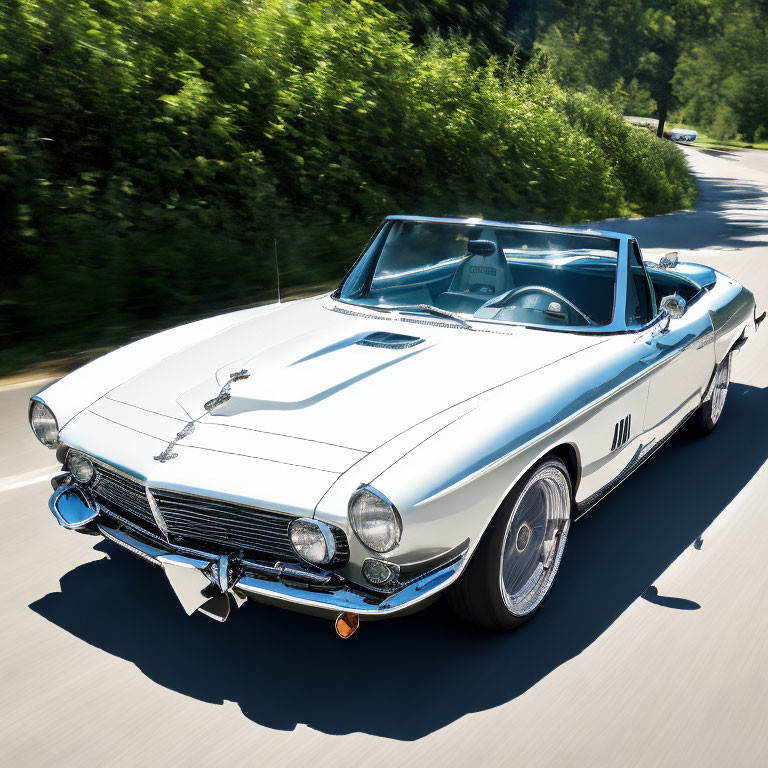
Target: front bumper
column 211, row 583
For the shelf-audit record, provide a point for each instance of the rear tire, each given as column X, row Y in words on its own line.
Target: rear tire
column 514, row 566
column 706, row 416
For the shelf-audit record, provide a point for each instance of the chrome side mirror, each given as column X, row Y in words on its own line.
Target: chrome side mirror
column 672, row 308
column 668, row 260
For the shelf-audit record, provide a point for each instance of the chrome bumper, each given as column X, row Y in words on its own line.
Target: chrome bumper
column 208, row 583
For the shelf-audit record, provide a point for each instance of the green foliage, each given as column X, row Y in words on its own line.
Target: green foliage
column 154, row 154
column 722, row 83
column 606, row 43
column 703, row 59
column 485, row 23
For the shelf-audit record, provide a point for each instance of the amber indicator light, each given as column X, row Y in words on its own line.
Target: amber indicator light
column 347, row 624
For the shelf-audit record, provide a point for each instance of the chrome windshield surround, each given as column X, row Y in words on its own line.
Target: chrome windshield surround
column 618, row 322
column 428, row 309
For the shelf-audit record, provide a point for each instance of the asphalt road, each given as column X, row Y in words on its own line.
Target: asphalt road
column 651, row 650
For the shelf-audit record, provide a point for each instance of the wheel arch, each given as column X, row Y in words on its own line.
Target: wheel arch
column 569, row 455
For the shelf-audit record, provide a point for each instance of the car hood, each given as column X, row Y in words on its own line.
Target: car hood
column 311, row 371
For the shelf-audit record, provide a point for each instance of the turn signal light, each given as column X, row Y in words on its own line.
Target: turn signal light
column 347, row 624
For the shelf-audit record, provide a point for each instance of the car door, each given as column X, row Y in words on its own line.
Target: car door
column 679, row 356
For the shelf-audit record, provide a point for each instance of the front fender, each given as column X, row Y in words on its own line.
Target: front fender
column 449, row 486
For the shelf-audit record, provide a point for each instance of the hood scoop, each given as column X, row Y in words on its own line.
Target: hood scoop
column 389, row 340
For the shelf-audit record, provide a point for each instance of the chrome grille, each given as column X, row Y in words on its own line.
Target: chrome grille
column 123, row 492
column 202, row 519
column 223, row 522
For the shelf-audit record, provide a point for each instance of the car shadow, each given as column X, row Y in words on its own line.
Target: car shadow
column 407, row 677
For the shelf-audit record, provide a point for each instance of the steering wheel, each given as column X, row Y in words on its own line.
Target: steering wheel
column 503, row 301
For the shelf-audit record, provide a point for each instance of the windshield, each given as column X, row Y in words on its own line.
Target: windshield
column 479, row 271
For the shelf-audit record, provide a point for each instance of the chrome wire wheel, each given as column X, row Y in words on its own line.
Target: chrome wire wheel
column 720, row 390
column 534, row 540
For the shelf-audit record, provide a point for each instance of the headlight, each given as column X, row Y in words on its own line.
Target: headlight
column 375, row 520
column 44, row 424
column 80, row 466
column 312, row 541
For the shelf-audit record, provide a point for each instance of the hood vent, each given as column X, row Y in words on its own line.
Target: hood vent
column 389, row 340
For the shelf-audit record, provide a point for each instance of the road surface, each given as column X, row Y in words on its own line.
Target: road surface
column 651, row 651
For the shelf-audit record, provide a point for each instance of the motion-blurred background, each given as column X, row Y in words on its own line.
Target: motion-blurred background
column 155, row 155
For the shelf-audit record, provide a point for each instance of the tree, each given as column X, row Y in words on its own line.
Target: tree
column 610, row 43
column 722, row 82
column 485, row 23
column 670, row 28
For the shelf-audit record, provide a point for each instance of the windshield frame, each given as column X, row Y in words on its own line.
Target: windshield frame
column 618, row 323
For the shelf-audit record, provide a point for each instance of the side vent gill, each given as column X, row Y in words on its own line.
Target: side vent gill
column 389, row 340
column 621, row 432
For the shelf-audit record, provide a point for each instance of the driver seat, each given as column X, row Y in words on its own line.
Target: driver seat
column 483, row 274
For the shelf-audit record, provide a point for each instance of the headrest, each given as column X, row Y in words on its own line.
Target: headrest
column 481, row 247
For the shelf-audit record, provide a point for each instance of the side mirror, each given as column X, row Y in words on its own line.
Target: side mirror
column 672, row 308
column 668, row 261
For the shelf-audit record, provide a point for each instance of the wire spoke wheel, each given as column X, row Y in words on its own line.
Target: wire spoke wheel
column 534, row 540
column 515, row 563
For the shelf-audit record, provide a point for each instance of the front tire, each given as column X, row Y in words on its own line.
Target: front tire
column 515, row 564
column 706, row 416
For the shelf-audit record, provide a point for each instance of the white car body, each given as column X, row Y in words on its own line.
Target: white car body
column 443, row 429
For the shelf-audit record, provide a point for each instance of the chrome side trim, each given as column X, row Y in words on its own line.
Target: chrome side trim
column 545, row 435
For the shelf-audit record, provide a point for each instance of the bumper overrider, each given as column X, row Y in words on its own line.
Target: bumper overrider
column 212, row 582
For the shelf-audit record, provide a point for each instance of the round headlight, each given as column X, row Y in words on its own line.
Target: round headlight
column 312, row 541
column 44, row 424
column 375, row 520
column 80, row 466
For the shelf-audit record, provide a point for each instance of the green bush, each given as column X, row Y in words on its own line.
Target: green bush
column 155, row 154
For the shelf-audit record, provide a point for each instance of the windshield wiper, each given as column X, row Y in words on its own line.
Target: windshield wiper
column 445, row 313
column 424, row 308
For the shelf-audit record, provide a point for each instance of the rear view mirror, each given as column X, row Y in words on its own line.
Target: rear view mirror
column 481, row 247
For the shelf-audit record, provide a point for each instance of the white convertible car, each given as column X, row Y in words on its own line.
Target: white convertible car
column 433, row 426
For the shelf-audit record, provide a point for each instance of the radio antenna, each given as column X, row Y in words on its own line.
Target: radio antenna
column 277, row 269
